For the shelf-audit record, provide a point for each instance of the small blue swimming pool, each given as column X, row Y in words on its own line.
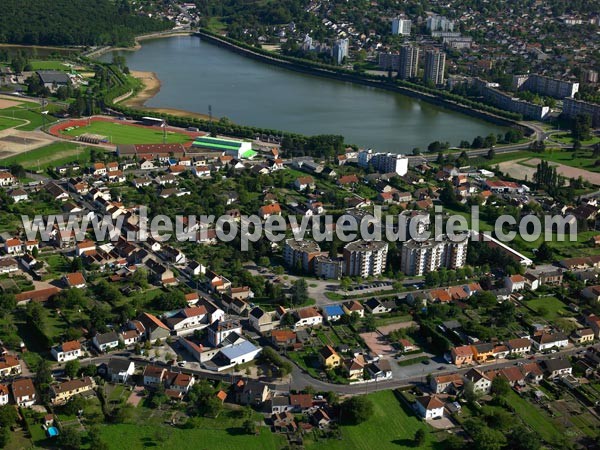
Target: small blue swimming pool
column 52, row 431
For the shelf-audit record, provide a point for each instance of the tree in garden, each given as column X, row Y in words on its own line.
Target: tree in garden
column 356, row 410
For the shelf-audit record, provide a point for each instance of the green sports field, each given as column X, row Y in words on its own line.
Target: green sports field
column 53, row 155
column 121, row 133
column 26, row 116
column 6, row 122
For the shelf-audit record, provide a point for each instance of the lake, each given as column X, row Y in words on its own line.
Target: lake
column 195, row 74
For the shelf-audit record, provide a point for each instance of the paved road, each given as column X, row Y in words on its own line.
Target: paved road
column 415, row 374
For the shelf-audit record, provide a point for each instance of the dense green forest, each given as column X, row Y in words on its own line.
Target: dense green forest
column 72, row 22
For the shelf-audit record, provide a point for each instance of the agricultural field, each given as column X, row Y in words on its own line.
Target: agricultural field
column 121, row 133
column 391, row 426
column 52, row 155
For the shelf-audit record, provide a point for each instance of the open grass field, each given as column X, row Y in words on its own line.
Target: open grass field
column 392, row 426
column 49, row 65
column 534, row 418
column 53, row 155
column 225, row 432
column 566, row 138
column 121, row 133
column 551, row 307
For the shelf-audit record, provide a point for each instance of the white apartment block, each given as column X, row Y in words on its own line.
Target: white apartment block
column 421, row 257
column 365, row 258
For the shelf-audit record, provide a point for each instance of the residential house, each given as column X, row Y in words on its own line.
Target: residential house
column 519, row 346
column 483, row 351
column 8, row 265
column 119, row 370
column 333, row 313
column 106, row 341
column 63, row 392
column 380, row 370
column 67, row 351
column 374, row 306
column 13, row 246
column 594, row 323
column 153, row 327
column 354, row 367
column 3, row 394
column 532, row 372
column 184, row 322
column 74, row 280
column 307, row 317
column 253, row 393
column 301, row 402
column 18, row 195
column 23, row 392
column 547, row 341
column 283, row 338
column 557, row 367
column 130, row 337
column 515, row 283
column 219, row 330
column 462, row 355
column 329, row 358
column 320, row 418
column 302, row 183
column 154, row 375
column 354, row 306
column 261, row 320
column 582, row 336
column 267, row 211
column 429, row 407
column 482, row 384
column 446, row 384
column 9, row 366
column 591, row 293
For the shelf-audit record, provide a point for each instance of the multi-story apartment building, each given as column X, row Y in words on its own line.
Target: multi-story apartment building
column 383, row 162
column 340, row 50
column 401, row 25
column 573, row 107
column 435, row 63
column 300, row 254
column 326, row 267
column 542, row 85
column 439, row 23
column 506, row 101
column 365, row 258
column 408, row 65
column 421, row 257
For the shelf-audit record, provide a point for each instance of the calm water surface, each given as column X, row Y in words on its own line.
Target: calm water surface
column 195, row 74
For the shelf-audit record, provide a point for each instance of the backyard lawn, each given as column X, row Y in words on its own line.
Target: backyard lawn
column 548, row 307
column 120, row 133
column 534, row 418
column 392, row 426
